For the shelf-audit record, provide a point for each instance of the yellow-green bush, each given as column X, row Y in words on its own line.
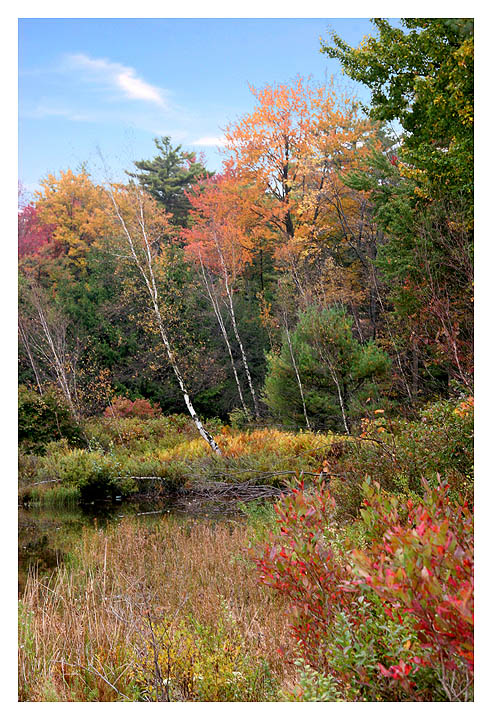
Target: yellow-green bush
column 96, row 475
column 199, row 663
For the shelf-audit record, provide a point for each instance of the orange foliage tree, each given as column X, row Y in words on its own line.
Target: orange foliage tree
column 291, row 154
column 221, row 241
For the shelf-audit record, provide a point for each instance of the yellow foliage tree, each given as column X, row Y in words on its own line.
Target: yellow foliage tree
column 77, row 209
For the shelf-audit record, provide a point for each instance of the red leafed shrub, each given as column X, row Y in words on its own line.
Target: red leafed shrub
column 122, row 407
column 397, row 613
column 423, row 565
column 301, row 565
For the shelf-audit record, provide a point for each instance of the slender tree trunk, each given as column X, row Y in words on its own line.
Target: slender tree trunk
column 325, row 358
column 340, row 396
column 373, row 309
column 356, row 318
column 25, row 342
column 262, row 284
column 186, row 397
column 147, row 273
column 294, row 364
column 236, row 332
column 58, row 360
column 415, row 368
column 220, row 320
column 398, row 358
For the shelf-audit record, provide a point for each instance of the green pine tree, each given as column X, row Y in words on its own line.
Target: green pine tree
column 168, row 176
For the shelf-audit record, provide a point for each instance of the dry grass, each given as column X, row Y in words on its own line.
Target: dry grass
column 82, row 631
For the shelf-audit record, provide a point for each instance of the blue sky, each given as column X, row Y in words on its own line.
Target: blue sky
column 115, row 84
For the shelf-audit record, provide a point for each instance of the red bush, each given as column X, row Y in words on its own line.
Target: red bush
column 140, row 408
column 424, row 566
column 418, row 564
column 302, row 565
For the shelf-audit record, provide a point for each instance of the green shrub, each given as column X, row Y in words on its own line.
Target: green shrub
column 313, row 686
column 155, row 475
column 43, row 418
column 28, row 467
column 199, row 663
column 239, row 419
column 95, row 475
column 398, row 453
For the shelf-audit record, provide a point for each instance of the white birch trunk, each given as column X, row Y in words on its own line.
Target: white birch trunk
column 236, row 332
column 340, row 397
column 299, row 383
column 57, row 355
column 149, row 279
column 220, row 320
column 25, row 342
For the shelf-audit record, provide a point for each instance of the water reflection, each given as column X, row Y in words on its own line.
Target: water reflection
column 46, row 533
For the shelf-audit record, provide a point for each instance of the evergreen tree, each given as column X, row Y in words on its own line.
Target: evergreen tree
column 338, row 374
column 421, row 74
column 168, row 176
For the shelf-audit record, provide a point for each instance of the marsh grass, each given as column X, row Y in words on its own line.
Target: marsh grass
column 134, row 593
column 54, row 496
column 163, row 456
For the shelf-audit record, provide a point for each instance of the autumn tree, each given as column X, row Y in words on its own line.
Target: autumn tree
column 221, row 243
column 265, row 146
column 75, row 209
column 292, row 154
column 33, row 235
column 339, row 238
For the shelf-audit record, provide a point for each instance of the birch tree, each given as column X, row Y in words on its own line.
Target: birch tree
column 143, row 228
column 43, row 332
column 218, row 314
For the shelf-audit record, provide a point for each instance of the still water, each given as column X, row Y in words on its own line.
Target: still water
column 45, row 533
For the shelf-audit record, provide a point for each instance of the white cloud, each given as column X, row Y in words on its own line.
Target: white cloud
column 117, row 76
column 210, row 141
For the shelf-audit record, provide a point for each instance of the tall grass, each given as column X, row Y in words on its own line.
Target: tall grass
column 135, row 593
column 54, row 496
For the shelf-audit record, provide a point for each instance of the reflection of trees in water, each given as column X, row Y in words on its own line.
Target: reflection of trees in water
column 46, row 534
column 38, row 553
column 43, row 538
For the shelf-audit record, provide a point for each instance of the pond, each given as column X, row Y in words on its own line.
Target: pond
column 45, row 533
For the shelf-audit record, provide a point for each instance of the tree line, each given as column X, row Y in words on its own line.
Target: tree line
column 324, row 271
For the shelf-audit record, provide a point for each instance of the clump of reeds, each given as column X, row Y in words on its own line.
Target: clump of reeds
column 53, row 495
